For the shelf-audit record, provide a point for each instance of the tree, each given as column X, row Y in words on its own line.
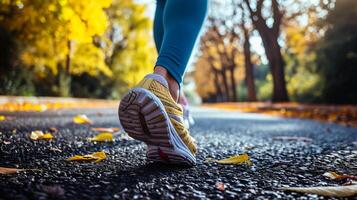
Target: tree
column 129, row 49
column 249, row 67
column 337, row 54
column 51, row 32
column 64, row 41
column 303, row 80
column 221, row 57
column 270, row 36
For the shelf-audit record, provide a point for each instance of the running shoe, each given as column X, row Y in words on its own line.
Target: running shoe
column 148, row 113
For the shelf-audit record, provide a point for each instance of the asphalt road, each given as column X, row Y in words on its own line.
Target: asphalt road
column 125, row 174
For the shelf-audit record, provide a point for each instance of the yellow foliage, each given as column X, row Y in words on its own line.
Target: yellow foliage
column 59, row 38
column 90, row 59
column 46, row 27
column 137, row 57
column 204, row 79
column 300, row 60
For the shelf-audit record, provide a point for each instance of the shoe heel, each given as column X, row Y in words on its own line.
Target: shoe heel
column 143, row 119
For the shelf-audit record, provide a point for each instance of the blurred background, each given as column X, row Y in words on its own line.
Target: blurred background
column 249, row 50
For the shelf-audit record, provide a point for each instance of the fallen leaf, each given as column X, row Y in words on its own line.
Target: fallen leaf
column 220, row 186
column 55, row 149
column 335, row 176
column 331, row 191
column 97, row 157
column 38, row 135
column 82, row 119
column 108, row 130
column 247, row 148
column 53, row 129
column 102, row 137
column 7, row 142
column 6, row 170
column 2, row 117
column 292, row 138
column 233, row 160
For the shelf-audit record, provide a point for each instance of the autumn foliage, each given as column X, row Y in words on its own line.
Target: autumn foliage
column 67, row 47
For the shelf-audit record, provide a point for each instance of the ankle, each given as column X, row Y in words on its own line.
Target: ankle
column 173, row 85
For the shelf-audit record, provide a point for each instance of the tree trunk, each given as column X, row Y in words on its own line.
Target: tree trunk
column 249, row 70
column 68, row 57
column 65, row 76
column 276, row 64
column 233, row 84
column 270, row 37
column 219, row 92
column 225, row 83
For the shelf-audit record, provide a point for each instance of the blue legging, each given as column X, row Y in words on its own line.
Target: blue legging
column 177, row 24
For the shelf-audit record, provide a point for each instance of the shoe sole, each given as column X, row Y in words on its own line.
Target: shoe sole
column 143, row 117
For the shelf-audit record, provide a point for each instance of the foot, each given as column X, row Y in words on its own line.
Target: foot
column 149, row 113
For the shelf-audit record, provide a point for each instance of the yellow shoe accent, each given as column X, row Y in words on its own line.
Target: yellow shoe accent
column 158, row 86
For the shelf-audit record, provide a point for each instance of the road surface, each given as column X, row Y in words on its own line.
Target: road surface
column 125, row 174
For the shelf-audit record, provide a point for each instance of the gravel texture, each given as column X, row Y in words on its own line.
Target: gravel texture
column 125, row 174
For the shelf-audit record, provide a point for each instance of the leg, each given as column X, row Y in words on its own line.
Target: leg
column 159, row 24
column 182, row 23
column 148, row 112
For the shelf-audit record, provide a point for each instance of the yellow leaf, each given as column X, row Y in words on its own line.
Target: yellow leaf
column 47, row 136
column 331, row 191
column 108, row 130
column 238, row 159
column 38, row 135
column 97, row 157
column 82, row 119
column 2, row 117
column 102, row 137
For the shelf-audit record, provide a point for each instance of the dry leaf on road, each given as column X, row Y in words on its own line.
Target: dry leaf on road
column 6, row 170
column 233, row 160
column 292, row 138
column 335, row 176
column 82, row 119
column 331, row 191
column 39, row 135
column 55, row 149
column 96, row 157
column 53, row 129
column 220, row 186
column 102, row 137
column 108, row 130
